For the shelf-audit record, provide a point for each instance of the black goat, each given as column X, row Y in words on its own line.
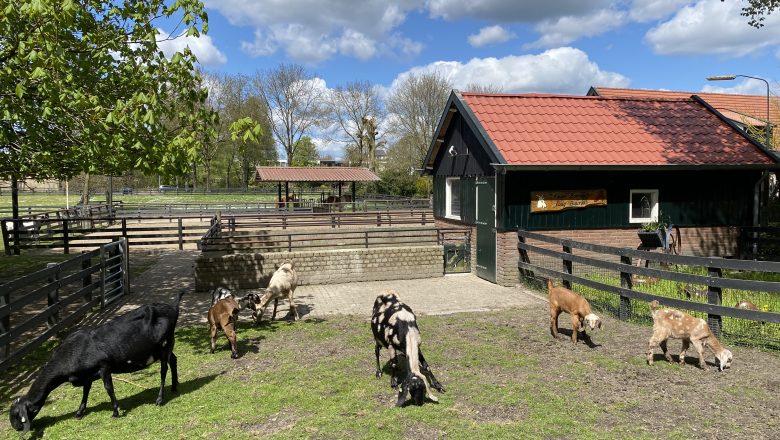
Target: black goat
column 395, row 328
column 128, row 343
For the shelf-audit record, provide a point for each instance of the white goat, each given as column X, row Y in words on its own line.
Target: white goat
column 670, row 323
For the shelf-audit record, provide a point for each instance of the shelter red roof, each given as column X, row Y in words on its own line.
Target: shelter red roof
column 590, row 130
column 748, row 109
column 314, row 174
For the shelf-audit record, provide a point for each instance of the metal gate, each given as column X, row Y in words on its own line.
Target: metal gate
column 486, row 229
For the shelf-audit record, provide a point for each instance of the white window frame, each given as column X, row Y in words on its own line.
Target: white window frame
column 653, row 206
column 448, row 202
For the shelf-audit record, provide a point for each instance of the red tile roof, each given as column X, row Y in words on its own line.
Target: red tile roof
column 588, row 130
column 749, row 109
column 314, row 174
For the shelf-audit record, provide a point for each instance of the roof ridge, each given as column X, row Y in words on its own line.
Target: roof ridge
column 681, row 91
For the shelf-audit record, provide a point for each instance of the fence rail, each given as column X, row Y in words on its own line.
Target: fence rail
column 620, row 261
column 37, row 306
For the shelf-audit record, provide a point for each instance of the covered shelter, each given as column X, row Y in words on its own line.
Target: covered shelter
column 314, row 174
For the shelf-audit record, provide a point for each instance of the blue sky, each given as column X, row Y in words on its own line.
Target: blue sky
column 522, row 46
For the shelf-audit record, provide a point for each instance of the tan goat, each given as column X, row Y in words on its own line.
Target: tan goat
column 670, row 323
column 223, row 315
column 282, row 284
column 578, row 308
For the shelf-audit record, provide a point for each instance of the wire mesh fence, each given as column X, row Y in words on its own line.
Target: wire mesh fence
column 740, row 299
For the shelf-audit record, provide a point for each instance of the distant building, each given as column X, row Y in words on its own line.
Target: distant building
column 331, row 163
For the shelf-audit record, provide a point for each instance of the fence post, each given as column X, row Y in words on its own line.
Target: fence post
column 714, row 296
column 5, row 323
column 6, row 242
column 87, row 280
column 566, row 265
column 65, row 243
column 365, row 233
column 102, row 276
column 53, row 297
column 625, row 282
column 289, row 242
column 125, row 249
column 525, row 273
column 181, row 236
column 124, row 228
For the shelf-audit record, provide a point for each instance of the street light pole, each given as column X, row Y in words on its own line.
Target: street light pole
column 731, row 77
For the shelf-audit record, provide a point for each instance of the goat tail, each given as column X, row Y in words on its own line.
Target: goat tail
column 178, row 300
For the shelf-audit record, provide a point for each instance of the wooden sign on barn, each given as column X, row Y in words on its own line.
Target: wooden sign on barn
column 549, row 201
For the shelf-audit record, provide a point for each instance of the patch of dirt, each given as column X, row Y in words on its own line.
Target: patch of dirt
column 490, row 413
column 279, row 422
column 426, row 432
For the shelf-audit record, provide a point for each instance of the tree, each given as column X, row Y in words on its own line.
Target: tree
column 483, row 88
column 293, row 99
column 85, row 88
column 356, row 109
column 415, row 106
column 306, row 153
column 245, row 131
column 757, row 10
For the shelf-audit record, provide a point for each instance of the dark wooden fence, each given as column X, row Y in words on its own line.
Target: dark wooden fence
column 37, row 306
column 535, row 248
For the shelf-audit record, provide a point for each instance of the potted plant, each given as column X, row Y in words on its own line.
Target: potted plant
column 653, row 234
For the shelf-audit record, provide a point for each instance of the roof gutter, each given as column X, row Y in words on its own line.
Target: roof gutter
column 503, row 168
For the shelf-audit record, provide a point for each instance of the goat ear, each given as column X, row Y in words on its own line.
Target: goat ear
column 24, row 418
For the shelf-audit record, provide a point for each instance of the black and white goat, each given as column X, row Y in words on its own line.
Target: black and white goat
column 128, row 343
column 220, row 293
column 395, row 328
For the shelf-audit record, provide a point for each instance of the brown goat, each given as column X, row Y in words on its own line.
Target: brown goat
column 670, row 323
column 578, row 308
column 747, row 305
column 223, row 315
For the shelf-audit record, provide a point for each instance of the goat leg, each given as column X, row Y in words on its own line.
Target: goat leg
column 554, row 324
column 213, row 333
column 174, row 371
column 276, row 303
column 654, row 342
column 667, row 355
column 700, row 349
column 163, row 373
column 84, row 396
column 685, row 345
column 108, row 383
column 426, row 369
column 575, row 326
column 293, row 310
column 378, row 367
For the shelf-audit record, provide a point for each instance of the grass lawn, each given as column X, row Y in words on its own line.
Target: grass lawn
column 505, row 378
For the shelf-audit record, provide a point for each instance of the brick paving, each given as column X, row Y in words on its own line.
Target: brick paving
column 434, row 296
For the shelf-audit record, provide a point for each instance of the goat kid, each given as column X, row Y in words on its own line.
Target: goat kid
column 395, row 328
column 223, row 315
column 670, row 323
column 129, row 343
column 283, row 283
column 220, row 293
column 578, row 308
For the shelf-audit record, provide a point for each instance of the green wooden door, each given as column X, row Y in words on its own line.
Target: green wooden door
column 486, row 229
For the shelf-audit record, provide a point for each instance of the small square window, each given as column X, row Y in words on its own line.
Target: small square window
column 643, row 206
column 453, row 198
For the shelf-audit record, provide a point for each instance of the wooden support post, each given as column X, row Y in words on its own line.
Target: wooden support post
column 6, row 241
column 625, row 282
column 5, row 324
column 124, row 228
column 125, row 249
column 102, row 276
column 567, row 266
column 714, row 296
column 53, row 297
column 87, row 280
column 65, row 243
column 181, row 235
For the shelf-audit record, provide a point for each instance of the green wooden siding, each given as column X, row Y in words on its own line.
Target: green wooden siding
column 468, row 199
column 687, row 198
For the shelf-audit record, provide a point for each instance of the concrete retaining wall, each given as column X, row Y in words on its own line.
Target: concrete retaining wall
column 250, row 271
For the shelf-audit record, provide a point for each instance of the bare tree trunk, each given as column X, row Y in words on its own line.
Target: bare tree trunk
column 194, row 177
column 85, row 193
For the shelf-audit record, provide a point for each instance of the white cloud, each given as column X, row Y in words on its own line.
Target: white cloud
column 564, row 30
column 203, row 47
column 649, row 10
column 512, row 10
column 712, row 27
column 746, row 87
column 490, row 35
column 562, row 70
column 314, row 31
column 354, row 43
